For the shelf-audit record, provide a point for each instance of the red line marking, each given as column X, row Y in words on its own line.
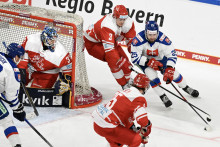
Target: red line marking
column 178, row 132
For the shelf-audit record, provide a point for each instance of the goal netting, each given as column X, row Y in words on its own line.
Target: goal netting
column 18, row 21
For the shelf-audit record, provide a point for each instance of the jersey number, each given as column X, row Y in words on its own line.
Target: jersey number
column 110, row 36
column 113, row 101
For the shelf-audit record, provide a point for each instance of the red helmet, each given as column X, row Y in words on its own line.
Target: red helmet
column 141, row 81
column 120, row 12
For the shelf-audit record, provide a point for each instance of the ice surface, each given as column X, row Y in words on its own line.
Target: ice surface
column 178, row 126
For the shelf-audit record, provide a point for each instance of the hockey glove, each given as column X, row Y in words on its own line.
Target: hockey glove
column 61, row 86
column 124, row 64
column 19, row 113
column 145, row 131
column 168, row 74
column 153, row 63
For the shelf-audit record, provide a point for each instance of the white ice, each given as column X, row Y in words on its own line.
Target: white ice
column 178, row 126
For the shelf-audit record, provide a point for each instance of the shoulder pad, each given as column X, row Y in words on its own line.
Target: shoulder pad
column 127, row 25
column 162, row 38
column 139, row 39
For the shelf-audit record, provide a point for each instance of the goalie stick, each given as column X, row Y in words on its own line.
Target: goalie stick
column 183, row 99
column 25, row 91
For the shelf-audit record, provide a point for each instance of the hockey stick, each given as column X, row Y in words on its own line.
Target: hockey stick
column 37, row 132
column 29, row 99
column 176, row 96
column 190, row 104
column 25, row 90
column 30, row 115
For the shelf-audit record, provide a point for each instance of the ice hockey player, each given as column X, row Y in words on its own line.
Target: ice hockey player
column 101, row 41
column 9, row 89
column 115, row 120
column 44, row 58
column 152, row 51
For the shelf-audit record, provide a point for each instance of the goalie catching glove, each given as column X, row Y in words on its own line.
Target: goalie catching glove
column 63, row 85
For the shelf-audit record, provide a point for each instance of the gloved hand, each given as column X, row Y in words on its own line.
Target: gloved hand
column 153, row 63
column 61, row 86
column 125, row 65
column 168, row 74
column 19, row 113
column 145, row 131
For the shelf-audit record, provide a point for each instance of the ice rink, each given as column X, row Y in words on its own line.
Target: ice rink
column 178, row 126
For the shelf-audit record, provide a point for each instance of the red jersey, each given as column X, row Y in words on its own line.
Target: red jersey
column 106, row 31
column 123, row 109
column 45, row 61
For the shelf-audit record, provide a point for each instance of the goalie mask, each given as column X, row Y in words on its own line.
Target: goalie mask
column 49, row 37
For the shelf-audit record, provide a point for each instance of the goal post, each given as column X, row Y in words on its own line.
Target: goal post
column 18, row 21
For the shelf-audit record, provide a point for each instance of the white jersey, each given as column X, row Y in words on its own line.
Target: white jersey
column 9, row 80
column 142, row 50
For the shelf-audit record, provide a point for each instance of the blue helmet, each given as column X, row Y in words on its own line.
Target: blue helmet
column 14, row 49
column 151, row 26
column 49, row 34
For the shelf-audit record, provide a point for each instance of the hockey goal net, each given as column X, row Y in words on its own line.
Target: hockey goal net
column 18, row 21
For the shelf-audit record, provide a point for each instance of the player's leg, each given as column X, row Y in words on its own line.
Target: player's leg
column 155, row 81
column 10, row 130
column 181, row 82
column 43, row 80
column 119, row 136
column 95, row 49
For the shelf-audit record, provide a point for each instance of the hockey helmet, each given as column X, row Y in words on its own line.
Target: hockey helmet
column 14, row 49
column 151, row 27
column 120, row 12
column 49, row 37
column 142, row 81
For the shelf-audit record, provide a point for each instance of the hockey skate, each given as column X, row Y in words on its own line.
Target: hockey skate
column 190, row 91
column 166, row 100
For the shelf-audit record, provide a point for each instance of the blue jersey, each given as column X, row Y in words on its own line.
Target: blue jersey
column 142, row 49
column 9, row 80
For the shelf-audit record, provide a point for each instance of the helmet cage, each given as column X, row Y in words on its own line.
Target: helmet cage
column 49, row 37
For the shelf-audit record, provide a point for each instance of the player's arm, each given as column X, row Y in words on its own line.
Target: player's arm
column 169, row 51
column 171, row 55
column 129, row 37
column 12, row 88
column 140, row 114
column 136, row 53
column 23, row 64
column 64, row 83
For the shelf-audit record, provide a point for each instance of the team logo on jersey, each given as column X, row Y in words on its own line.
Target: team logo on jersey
column 134, row 42
column 152, row 52
column 162, row 37
column 167, row 40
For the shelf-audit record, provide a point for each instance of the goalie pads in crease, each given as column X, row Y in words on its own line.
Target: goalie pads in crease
column 63, row 85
